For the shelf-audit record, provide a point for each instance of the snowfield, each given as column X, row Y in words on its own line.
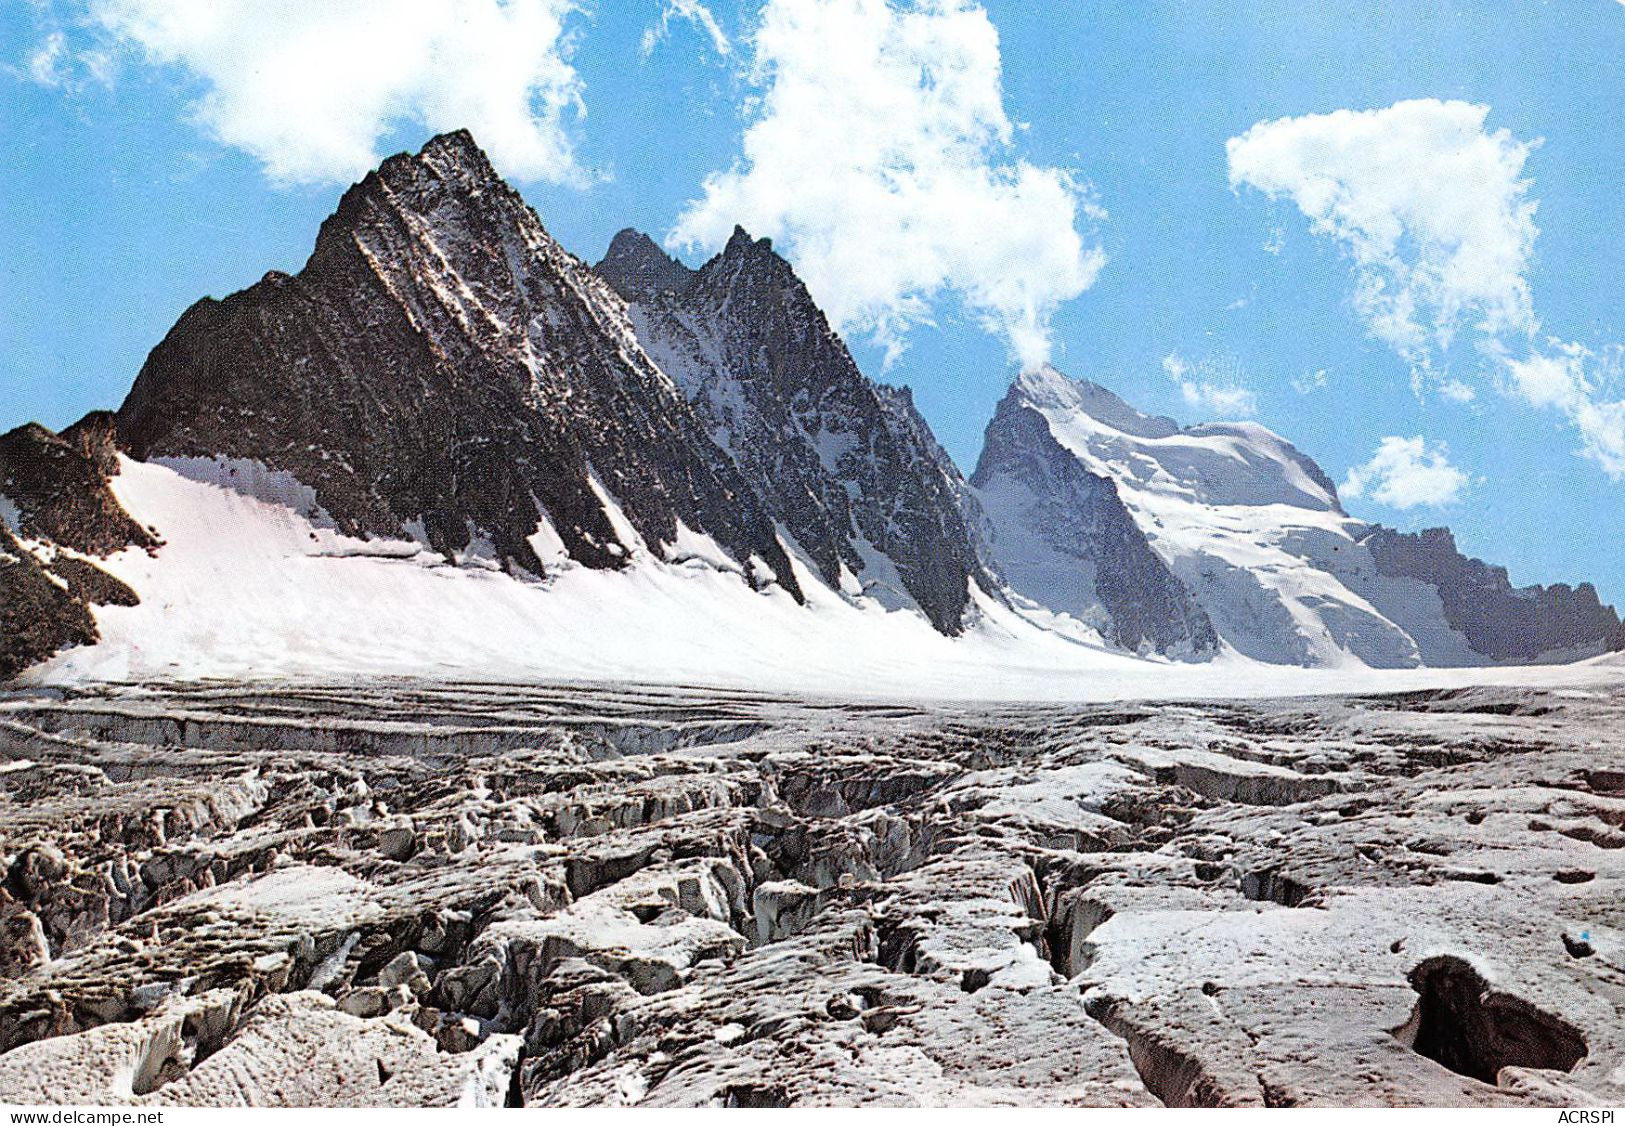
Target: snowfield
column 254, row 583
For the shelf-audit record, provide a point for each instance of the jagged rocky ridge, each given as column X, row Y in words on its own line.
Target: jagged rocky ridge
column 559, row 897
column 442, row 372
column 1499, row 620
column 442, row 364
column 847, row 467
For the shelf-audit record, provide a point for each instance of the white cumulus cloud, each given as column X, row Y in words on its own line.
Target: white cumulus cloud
column 1432, row 208
column 1436, row 216
column 1407, row 473
column 879, row 156
column 690, row 11
column 1210, row 387
column 310, row 87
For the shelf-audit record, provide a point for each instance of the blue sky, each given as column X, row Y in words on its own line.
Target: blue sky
column 1348, row 280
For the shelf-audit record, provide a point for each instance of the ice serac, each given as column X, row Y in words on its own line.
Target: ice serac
column 1503, row 622
column 442, row 366
column 1063, row 539
column 846, row 466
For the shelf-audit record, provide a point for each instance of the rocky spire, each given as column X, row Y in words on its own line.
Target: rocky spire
column 639, row 269
column 442, row 364
column 846, row 467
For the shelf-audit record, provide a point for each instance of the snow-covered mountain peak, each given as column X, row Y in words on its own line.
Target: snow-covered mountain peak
column 1253, row 528
column 1046, row 388
column 1217, row 463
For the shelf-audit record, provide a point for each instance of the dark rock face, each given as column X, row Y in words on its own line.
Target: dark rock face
column 441, row 363
column 56, row 486
column 846, row 466
column 58, row 483
column 1063, row 538
column 37, row 617
column 640, row 271
column 1499, row 620
column 90, row 584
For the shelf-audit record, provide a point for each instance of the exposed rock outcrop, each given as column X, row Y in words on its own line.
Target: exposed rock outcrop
column 1501, row 621
column 846, row 466
column 442, row 365
column 38, row 616
column 58, row 485
column 56, row 507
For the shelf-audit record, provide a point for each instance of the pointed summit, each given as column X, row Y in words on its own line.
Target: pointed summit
column 443, row 366
column 755, row 261
column 848, row 468
column 742, row 242
column 638, row 269
column 458, row 145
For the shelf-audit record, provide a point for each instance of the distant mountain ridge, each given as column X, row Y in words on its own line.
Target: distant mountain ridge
column 1254, row 529
column 444, row 381
column 1499, row 620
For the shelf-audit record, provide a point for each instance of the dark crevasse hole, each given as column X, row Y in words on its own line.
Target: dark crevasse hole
column 1605, row 781
column 898, row 947
column 1460, row 1021
column 1077, row 916
column 754, row 1096
column 1270, row 886
column 516, row 1085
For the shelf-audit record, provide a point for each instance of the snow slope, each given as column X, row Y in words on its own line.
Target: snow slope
column 250, row 588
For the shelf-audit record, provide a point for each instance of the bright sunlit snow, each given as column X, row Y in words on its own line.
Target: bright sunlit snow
column 246, row 588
